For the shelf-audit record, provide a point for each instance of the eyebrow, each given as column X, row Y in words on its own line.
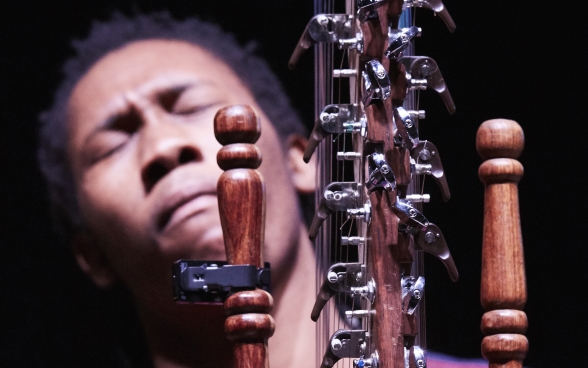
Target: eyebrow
column 109, row 121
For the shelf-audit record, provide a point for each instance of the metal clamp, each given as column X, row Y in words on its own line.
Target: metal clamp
column 406, row 127
column 376, row 84
column 399, row 40
column 436, row 6
column 412, row 293
column 381, row 175
column 213, row 281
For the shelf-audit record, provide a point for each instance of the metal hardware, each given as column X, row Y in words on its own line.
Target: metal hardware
column 417, row 114
column 427, row 152
column 399, row 40
column 436, row 6
column 352, row 240
column 376, row 84
column 368, row 291
column 358, row 313
column 371, row 362
column 348, row 156
column 213, row 281
column 344, row 73
column 409, row 215
column 326, row 28
column 432, row 241
column 366, row 9
column 414, row 357
column 418, row 198
column 361, row 213
column 338, row 196
column 381, row 175
column 412, row 293
column 407, row 127
column 334, row 119
column 424, row 73
column 344, row 344
column 341, row 277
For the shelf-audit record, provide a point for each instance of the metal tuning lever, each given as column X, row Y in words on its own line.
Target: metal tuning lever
column 427, row 236
column 342, row 277
column 326, row 28
column 334, row 119
column 338, row 196
column 345, row 344
column 425, row 160
column 423, row 73
column 436, row 6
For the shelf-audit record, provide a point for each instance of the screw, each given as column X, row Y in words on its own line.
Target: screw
column 336, row 344
column 385, row 169
column 430, row 237
column 425, row 155
column 332, row 277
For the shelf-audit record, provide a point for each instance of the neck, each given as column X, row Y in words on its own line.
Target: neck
column 193, row 335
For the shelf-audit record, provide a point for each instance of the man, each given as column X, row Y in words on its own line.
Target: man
column 130, row 156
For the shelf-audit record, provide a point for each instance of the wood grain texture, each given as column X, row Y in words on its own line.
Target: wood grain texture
column 503, row 291
column 385, row 255
column 241, row 198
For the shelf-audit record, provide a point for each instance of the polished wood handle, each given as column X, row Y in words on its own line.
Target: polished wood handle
column 503, row 289
column 241, row 199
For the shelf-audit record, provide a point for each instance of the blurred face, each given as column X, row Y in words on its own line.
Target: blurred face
column 143, row 154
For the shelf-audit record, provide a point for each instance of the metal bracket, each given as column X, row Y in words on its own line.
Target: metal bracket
column 412, row 293
column 406, row 127
column 344, row 344
column 424, row 73
column 425, row 159
column 381, row 175
column 436, row 6
column 399, row 40
column 214, row 281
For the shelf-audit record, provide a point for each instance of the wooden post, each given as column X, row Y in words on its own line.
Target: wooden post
column 241, row 198
column 503, row 291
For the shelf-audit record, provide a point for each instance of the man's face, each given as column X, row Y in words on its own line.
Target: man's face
column 143, row 154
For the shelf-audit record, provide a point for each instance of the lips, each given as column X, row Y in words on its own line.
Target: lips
column 180, row 195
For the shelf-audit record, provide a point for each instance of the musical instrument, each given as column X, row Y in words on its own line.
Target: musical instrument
column 241, row 198
column 504, row 291
column 369, row 228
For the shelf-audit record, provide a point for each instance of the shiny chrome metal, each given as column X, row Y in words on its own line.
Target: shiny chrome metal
column 372, row 362
column 348, row 156
column 409, row 215
column 381, row 175
column 358, row 313
column 399, row 40
column 341, row 278
column 432, row 241
column 363, row 213
column 407, row 128
column 324, row 28
column 424, row 68
column 344, row 344
column 334, row 119
column 436, row 6
column 352, row 240
column 418, row 198
column 415, row 357
column 412, row 292
column 417, row 114
column 344, row 73
column 376, row 84
column 337, row 196
column 427, row 152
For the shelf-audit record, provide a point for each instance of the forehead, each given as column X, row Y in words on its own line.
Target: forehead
column 148, row 66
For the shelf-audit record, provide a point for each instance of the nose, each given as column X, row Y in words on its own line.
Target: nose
column 164, row 147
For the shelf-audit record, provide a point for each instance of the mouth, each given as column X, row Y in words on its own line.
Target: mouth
column 183, row 206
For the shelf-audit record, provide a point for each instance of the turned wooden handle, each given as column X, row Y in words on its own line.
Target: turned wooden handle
column 503, row 290
column 241, row 199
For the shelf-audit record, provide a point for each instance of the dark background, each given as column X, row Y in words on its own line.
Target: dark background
column 507, row 59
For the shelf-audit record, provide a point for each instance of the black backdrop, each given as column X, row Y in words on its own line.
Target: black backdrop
column 507, row 59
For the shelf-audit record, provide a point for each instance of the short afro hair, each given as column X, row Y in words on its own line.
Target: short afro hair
column 105, row 37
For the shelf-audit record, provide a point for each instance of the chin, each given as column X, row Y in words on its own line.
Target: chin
column 195, row 240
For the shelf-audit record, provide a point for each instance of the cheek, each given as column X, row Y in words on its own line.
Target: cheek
column 110, row 197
